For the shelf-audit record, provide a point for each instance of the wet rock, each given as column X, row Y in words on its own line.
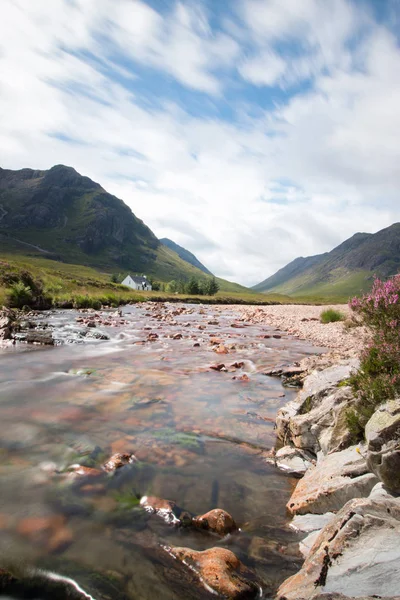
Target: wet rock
column 118, row 460
column 162, row 508
column 220, row 571
column 292, row 460
column 382, row 433
column 196, row 345
column 97, row 335
column 177, row 336
column 238, row 365
column 86, row 471
column 7, row 321
column 50, row 530
column 217, row 521
column 336, row 479
column 356, row 554
column 152, row 337
column 221, row 349
column 316, row 420
column 219, row 367
column 34, row 337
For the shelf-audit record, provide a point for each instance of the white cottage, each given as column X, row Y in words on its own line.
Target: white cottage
column 137, row 282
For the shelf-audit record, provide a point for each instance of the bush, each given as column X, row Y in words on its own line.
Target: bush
column 19, row 295
column 378, row 377
column 330, row 315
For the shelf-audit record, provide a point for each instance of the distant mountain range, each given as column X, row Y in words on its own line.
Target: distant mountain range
column 348, row 269
column 62, row 215
column 185, row 255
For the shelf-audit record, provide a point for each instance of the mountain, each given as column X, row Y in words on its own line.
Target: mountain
column 185, row 255
column 62, row 215
column 348, row 269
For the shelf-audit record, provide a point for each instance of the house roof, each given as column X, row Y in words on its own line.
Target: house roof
column 138, row 279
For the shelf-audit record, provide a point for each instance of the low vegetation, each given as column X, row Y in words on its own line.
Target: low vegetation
column 43, row 283
column 378, row 378
column 331, row 315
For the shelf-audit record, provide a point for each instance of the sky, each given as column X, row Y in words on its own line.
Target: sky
column 250, row 132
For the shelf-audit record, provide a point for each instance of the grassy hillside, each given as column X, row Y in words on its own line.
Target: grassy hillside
column 185, row 255
column 346, row 271
column 78, row 285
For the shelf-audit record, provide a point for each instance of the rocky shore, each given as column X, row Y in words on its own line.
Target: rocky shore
column 347, row 501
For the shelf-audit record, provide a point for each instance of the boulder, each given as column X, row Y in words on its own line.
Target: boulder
column 312, row 525
column 382, row 433
column 7, row 320
column 291, row 460
column 118, row 460
column 216, row 520
column 316, row 419
column 336, row 479
column 166, row 509
column 356, row 554
column 220, row 571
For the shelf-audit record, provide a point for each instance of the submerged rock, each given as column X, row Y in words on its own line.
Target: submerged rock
column 357, row 554
column 220, row 571
column 166, row 509
column 119, row 460
column 382, row 433
column 217, row 521
column 336, row 479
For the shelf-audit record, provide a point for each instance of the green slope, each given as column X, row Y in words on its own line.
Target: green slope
column 347, row 270
column 185, row 255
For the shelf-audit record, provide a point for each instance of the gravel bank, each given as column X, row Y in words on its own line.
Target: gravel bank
column 304, row 322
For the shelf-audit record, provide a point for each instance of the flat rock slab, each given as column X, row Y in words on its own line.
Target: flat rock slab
column 291, row 460
column 357, row 554
column 336, row 479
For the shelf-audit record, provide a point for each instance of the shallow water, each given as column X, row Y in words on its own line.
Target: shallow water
column 198, row 435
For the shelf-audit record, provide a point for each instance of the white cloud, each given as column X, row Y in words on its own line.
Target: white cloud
column 248, row 195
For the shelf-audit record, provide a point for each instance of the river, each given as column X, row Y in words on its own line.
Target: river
column 198, row 435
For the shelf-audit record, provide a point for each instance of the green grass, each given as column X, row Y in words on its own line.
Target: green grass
column 330, row 315
column 341, row 286
column 82, row 287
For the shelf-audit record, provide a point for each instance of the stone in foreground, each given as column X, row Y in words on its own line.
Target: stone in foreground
column 220, row 571
column 217, row 521
column 382, row 433
column 316, row 420
column 357, row 554
column 336, row 479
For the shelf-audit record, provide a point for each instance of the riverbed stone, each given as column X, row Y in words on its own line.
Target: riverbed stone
column 382, row 433
column 118, row 460
column 165, row 509
column 220, row 571
column 291, row 460
column 336, row 479
column 216, row 520
column 356, row 554
column 316, row 419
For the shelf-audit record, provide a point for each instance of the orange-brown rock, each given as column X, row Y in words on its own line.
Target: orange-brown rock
column 117, row 461
column 86, row 471
column 216, row 520
column 220, row 571
column 221, row 349
column 161, row 507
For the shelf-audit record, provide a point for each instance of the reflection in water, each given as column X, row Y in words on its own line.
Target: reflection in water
column 197, row 435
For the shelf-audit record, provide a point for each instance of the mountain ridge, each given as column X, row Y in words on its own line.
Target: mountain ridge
column 347, row 268
column 63, row 215
column 185, row 255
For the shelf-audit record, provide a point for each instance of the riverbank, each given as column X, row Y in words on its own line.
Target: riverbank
column 346, row 505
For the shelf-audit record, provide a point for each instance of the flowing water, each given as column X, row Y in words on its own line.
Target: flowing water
column 198, row 435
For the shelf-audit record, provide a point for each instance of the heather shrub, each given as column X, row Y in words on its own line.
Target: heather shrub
column 378, row 377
